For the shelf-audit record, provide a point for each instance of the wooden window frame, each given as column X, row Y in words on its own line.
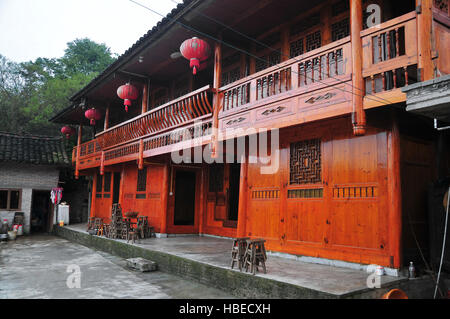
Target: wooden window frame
column 8, row 199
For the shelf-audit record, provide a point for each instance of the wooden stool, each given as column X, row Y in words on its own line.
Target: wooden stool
column 238, row 251
column 255, row 255
column 132, row 235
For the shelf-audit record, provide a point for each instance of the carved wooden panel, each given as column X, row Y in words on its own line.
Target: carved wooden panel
column 306, row 162
column 142, row 180
column 357, row 191
column 265, row 194
column 306, row 193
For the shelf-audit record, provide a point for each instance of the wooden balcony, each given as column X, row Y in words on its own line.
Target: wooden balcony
column 312, row 86
column 318, row 84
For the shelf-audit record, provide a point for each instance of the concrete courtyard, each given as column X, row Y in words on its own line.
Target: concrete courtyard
column 37, row 267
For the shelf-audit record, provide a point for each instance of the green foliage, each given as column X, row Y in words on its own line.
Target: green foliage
column 32, row 92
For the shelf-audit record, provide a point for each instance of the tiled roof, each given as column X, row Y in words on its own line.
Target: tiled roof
column 41, row 150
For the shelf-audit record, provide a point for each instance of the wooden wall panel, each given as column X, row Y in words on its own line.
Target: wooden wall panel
column 345, row 216
column 151, row 205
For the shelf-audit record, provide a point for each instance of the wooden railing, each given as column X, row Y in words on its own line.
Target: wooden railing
column 178, row 112
column 311, row 84
column 313, row 67
column 390, row 54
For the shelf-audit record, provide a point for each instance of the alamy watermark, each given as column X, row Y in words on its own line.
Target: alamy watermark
column 74, row 279
column 263, row 147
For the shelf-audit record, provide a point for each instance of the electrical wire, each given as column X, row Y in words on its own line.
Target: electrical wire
column 278, row 51
column 241, row 50
column 443, row 243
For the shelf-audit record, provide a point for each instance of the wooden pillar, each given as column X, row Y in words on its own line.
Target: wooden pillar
column 145, row 98
column 285, row 48
column 216, row 104
column 243, row 195
column 394, row 195
column 93, row 196
column 424, row 38
column 141, row 154
column 102, row 163
column 164, row 199
column 356, row 26
column 77, row 162
column 325, row 17
column 106, row 122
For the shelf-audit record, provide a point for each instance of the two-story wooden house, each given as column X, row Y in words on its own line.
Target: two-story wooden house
column 352, row 164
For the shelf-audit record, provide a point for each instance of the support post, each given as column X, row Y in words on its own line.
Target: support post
column 424, row 38
column 216, row 103
column 164, row 199
column 145, row 98
column 394, row 194
column 243, row 194
column 141, row 154
column 356, row 26
column 77, row 162
column 106, row 122
column 102, row 163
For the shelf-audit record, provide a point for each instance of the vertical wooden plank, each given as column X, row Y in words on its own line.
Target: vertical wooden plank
column 77, row 163
column 285, row 50
column 106, row 121
column 394, row 194
column 243, row 195
column 164, row 199
column 144, row 107
column 424, row 38
column 356, row 25
column 216, row 101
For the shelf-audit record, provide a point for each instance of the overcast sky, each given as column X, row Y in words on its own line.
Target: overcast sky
column 41, row 28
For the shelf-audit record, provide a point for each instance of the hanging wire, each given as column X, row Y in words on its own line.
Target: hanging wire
column 244, row 51
column 279, row 51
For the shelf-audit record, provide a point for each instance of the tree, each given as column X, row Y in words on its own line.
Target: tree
column 85, row 56
column 32, row 92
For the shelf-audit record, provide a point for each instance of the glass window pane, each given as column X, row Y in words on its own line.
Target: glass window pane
column 3, row 199
column 14, row 200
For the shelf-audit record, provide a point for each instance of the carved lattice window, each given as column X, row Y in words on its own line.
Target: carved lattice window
column 313, row 41
column 142, row 180
column 107, row 184
column 305, row 162
column 441, row 5
column 340, row 29
column 269, row 60
column 296, row 48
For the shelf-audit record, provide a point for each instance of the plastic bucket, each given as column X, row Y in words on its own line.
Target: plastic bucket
column 395, row 294
column 12, row 234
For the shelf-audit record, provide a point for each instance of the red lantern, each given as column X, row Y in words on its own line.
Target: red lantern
column 93, row 115
column 68, row 131
column 196, row 50
column 127, row 92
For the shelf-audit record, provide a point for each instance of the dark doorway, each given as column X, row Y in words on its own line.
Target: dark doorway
column 233, row 193
column 116, row 188
column 40, row 211
column 184, row 211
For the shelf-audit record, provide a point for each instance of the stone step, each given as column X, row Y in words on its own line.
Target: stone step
column 141, row 264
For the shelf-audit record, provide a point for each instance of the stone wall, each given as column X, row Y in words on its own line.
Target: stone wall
column 27, row 178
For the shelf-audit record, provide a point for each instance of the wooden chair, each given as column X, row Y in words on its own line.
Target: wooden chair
column 238, row 251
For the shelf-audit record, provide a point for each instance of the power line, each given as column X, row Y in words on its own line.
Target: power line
column 278, row 51
column 242, row 50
